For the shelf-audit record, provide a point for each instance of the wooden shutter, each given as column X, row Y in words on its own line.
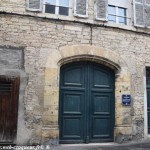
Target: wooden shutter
column 81, row 8
column 9, row 96
column 34, row 5
column 101, row 9
column 139, row 13
column 147, row 13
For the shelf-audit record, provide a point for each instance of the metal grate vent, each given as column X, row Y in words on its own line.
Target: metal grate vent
column 5, row 87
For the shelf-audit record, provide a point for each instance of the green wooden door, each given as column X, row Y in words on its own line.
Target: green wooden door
column 86, row 111
column 148, row 97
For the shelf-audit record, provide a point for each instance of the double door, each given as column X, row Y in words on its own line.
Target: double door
column 86, row 108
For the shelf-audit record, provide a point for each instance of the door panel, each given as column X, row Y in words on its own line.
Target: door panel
column 100, row 78
column 102, row 116
column 101, row 127
column 5, row 134
column 9, row 88
column 148, row 97
column 73, row 76
column 72, row 128
column 86, row 103
column 72, row 111
column 148, row 121
column 101, row 103
column 72, row 98
column 73, row 115
column 73, row 102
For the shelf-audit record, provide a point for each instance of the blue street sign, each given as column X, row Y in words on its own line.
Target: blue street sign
column 126, row 99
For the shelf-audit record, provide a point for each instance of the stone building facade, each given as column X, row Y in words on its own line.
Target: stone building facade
column 35, row 45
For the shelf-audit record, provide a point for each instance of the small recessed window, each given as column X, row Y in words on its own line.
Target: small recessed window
column 117, row 14
column 59, row 7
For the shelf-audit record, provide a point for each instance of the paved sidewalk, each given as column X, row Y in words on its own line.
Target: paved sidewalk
column 145, row 145
column 110, row 146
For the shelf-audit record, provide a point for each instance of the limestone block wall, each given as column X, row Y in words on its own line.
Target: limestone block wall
column 49, row 44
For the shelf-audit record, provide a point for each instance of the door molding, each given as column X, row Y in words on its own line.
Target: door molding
column 102, row 56
column 93, row 53
column 83, row 52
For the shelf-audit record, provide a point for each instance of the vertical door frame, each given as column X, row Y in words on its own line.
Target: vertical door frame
column 145, row 107
column 146, row 135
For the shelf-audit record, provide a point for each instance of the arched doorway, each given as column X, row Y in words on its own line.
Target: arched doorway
column 86, row 103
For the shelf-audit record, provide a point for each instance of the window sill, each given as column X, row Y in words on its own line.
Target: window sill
column 122, row 26
column 63, row 17
column 87, row 20
column 80, row 20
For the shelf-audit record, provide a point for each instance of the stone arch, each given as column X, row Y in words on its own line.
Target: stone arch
column 92, row 53
column 68, row 54
column 86, row 52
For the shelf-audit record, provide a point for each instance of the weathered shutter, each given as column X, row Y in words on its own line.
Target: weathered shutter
column 139, row 19
column 101, row 9
column 34, row 5
column 147, row 13
column 9, row 96
column 81, row 8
